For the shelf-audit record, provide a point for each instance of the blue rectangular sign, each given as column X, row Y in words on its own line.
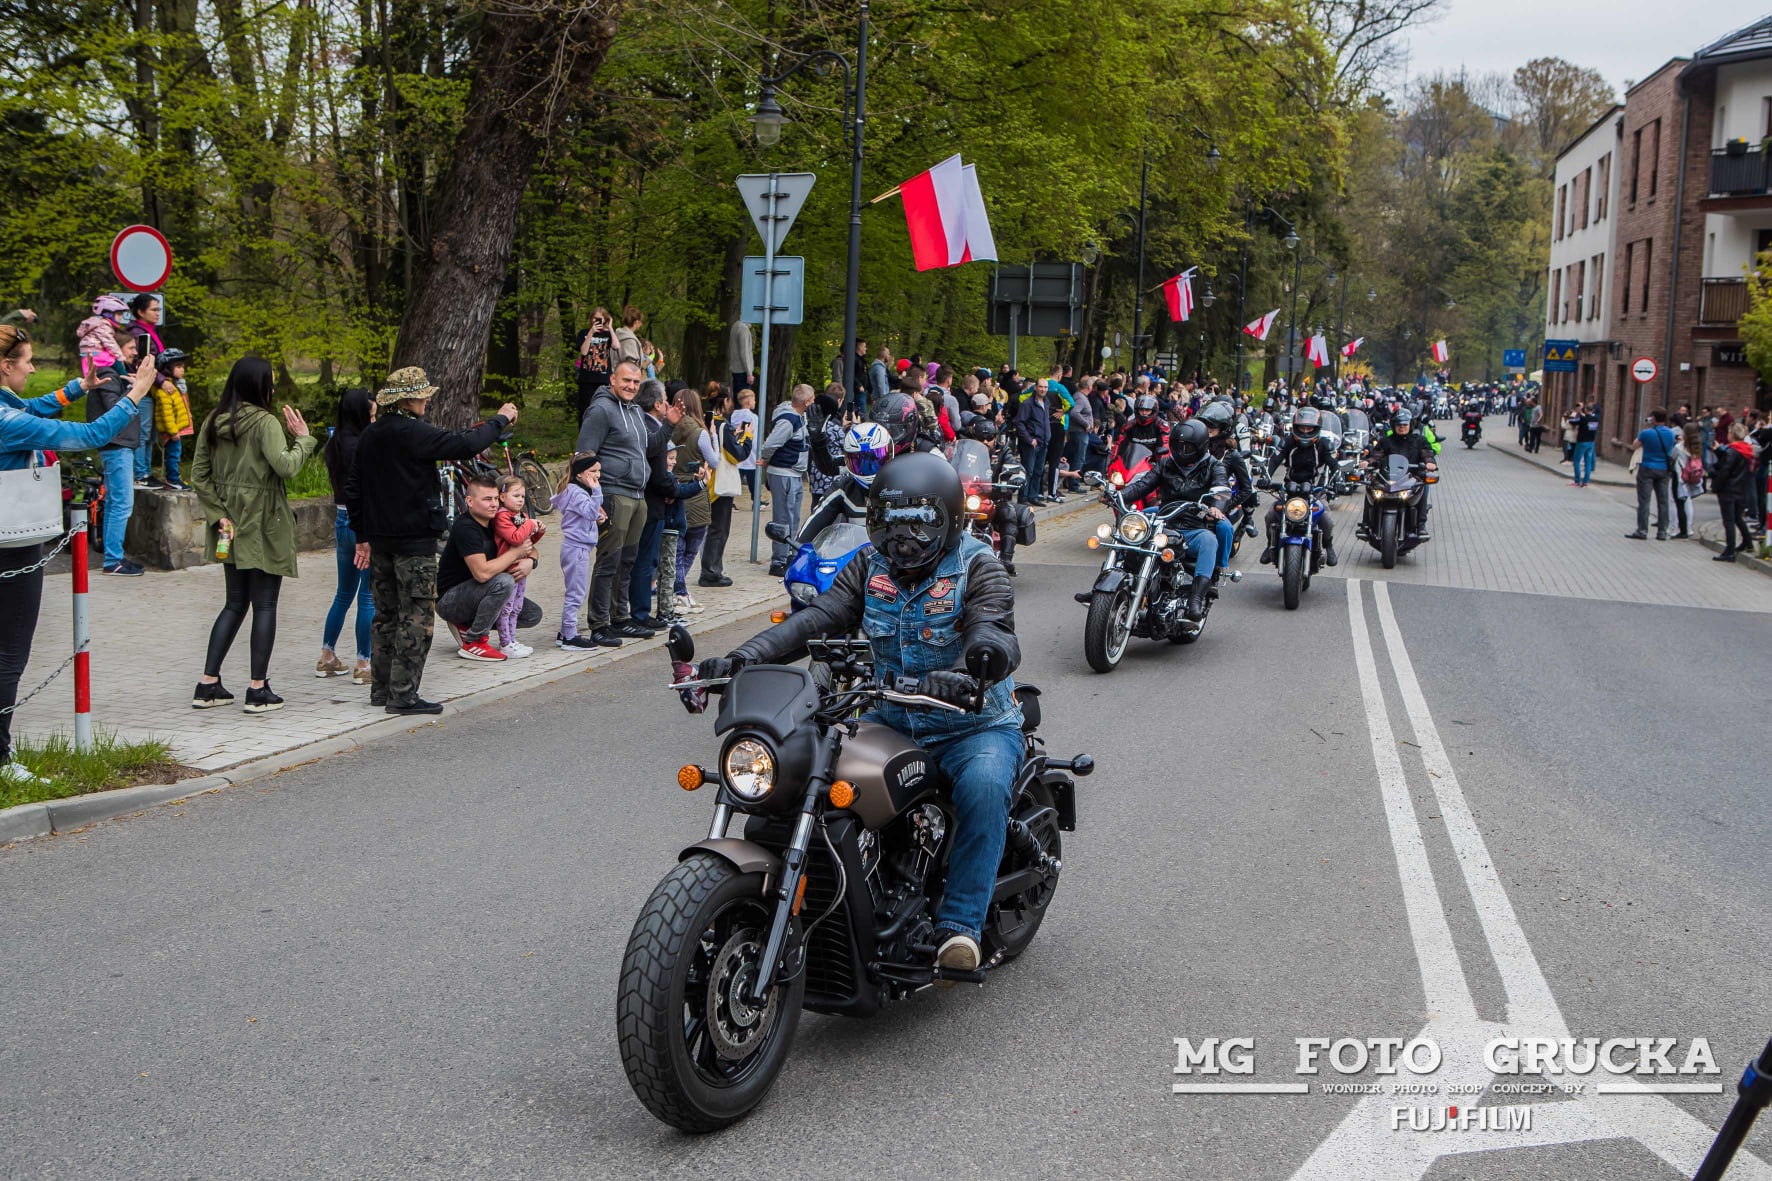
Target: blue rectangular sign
column 1513, row 358
column 1559, row 355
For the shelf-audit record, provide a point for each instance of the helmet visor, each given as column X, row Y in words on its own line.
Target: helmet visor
column 868, row 461
column 909, row 531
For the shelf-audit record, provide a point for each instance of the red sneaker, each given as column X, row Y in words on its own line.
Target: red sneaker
column 479, row 650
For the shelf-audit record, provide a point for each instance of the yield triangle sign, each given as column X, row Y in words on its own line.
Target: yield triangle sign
column 789, row 196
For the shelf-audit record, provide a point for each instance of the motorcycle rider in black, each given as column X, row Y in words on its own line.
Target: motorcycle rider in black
column 1005, row 511
column 866, row 448
column 1219, row 418
column 1188, row 473
column 1308, row 458
column 934, row 603
column 1413, row 446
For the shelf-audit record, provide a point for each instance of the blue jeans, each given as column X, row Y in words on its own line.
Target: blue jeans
column 352, row 584
column 119, row 465
column 645, row 563
column 1202, row 547
column 981, row 769
column 1033, row 460
column 173, row 449
column 1584, row 462
column 1225, row 534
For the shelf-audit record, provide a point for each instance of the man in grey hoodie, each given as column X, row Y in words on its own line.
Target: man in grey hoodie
column 615, row 431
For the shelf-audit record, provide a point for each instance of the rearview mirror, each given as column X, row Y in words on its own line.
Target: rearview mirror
column 776, row 531
column 680, row 644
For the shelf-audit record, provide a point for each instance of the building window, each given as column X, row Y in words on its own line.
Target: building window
column 1636, row 162
column 1556, row 295
column 1654, row 157
column 1766, row 116
column 1630, row 269
column 1562, row 207
column 1605, row 187
column 1587, row 187
column 1580, row 289
column 1593, row 303
column 1648, row 264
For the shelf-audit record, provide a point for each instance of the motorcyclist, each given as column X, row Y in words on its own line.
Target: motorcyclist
column 1219, row 419
column 866, row 448
column 1188, row 474
column 1417, row 447
column 1006, row 512
column 1473, row 417
column 937, row 606
column 897, row 412
column 1145, row 427
column 1308, row 459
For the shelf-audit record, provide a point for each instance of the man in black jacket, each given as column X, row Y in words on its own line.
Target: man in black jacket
column 660, row 492
column 1308, row 459
column 395, row 504
column 1188, row 474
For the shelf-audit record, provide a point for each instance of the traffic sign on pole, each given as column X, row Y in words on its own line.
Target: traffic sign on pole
column 1643, row 370
column 774, row 200
column 141, row 258
column 788, row 298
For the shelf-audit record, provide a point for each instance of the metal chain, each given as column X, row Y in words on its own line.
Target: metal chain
column 47, row 558
column 63, row 667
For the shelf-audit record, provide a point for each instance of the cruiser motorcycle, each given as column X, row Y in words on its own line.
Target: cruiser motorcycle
column 1144, row 581
column 1300, row 550
column 827, row 901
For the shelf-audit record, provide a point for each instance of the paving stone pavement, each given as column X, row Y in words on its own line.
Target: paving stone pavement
column 149, row 634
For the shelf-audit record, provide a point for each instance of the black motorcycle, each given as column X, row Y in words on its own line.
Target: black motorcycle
column 1299, row 552
column 1143, row 585
column 1394, row 498
column 990, row 502
column 827, row 901
column 1473, row 430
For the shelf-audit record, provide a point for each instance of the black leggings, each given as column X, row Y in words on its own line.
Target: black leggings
column 258, row 590
column 20, row 599
column 1736, row 537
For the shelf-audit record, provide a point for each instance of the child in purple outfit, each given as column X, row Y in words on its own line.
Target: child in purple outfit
column 580, row 501
column 512, row 527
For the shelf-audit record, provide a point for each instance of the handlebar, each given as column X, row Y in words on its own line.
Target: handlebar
column 896, row 696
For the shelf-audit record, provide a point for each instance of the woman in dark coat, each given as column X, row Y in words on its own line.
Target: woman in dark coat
column 1732, row 480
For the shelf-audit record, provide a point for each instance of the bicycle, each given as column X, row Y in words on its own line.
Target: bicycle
column 537, row 488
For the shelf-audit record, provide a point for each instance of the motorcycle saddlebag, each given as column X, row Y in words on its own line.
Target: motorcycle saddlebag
column 1024, row 525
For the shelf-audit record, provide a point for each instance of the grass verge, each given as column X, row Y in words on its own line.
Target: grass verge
column 111, row 763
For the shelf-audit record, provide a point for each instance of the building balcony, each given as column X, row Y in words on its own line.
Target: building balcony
column 1721, row 302
column 1746, row 175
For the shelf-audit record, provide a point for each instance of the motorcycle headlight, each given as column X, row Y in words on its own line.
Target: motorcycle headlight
column 1297, row 509
column 1117, row 479
column 750, row 769
column 974, row 503
column 802, row 592
column 1134, row 528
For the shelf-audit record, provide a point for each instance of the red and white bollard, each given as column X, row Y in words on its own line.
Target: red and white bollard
column 80, row 548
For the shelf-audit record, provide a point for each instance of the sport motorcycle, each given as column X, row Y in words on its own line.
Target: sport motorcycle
column 1133, row 461
column 827, row 900
column 1394, row 497
column 984, row 494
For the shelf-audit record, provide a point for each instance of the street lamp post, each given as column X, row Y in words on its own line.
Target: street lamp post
column 767, row 123
column 1213, row 157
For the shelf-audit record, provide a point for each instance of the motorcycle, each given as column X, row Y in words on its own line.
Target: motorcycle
column 1393, row 507
column 984, row 494
column 1299, row 554
column 1473, row 430
column 818, row 562
column 1144, row 582
column 827, row 901
column 1135, row 460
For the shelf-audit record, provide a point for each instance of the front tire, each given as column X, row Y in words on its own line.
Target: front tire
column 697, row 1056
column 1292, row 574
column 1387, row 540
column 1107, row 629
column 538, row 489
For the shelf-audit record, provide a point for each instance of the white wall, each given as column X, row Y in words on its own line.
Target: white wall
column 1583, row 244
column 1729, row 241
column 1742, row 91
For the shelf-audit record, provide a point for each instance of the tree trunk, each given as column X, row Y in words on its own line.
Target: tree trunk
column 524, row 62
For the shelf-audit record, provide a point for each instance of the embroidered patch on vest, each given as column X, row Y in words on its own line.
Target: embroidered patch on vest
column 882, row 586
column 941, row 588
column 934, row 606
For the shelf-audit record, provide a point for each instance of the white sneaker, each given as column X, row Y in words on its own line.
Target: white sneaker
column 688, row 603
column 21, row 775
column 518, row 649
column 960, row 952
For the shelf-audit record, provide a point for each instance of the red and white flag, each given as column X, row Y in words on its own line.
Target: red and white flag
column 1260, row 328
column 1178, row 293
column 1317, row 351
column 1441, row 353
column 1352, row 346
column 944, row 211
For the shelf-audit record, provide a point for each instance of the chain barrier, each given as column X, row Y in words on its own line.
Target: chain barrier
column 63, row 667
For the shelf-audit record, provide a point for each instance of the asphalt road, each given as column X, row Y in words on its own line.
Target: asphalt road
column 402, row 962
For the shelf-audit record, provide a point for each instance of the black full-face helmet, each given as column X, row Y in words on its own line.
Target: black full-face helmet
column 1307, row 424
column 1187, row 442
column 1217, row 415
column 915, row 513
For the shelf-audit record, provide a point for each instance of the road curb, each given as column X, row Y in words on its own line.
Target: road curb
column 1710, row 541
column 28, row 821
column 1557, row 469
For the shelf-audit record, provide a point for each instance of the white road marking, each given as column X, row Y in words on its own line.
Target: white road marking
column 1364, row 1144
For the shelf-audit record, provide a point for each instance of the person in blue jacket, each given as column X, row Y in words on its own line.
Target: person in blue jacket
column 27, row 428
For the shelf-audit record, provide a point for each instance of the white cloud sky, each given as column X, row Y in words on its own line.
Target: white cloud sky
column 1623, row 39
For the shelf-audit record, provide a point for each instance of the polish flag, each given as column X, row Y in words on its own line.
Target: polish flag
column 1352, row 346
column 1260, row 328
column 1317, row 351
column 1179, row 294
column 944, row 211
column 1441, row 353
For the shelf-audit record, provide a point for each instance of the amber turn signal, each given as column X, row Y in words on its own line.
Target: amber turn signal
column 799, row 895
column 778, row 617
column 1168, row 555
column 689, row 778
column 1093, row 543
column 842, row 793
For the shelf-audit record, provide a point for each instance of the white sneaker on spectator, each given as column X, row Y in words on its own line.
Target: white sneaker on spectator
column 20, row 775
column 518, row 649
column 688, row 603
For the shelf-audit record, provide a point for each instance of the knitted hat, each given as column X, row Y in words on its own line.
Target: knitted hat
column 409, row 382
column 583, row 463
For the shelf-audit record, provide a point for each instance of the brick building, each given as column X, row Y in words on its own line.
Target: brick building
column 1688, row 213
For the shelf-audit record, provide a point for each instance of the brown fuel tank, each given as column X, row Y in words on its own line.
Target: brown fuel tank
column 889, row 771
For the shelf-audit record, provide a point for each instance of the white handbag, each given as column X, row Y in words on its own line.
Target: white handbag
column 30, row 504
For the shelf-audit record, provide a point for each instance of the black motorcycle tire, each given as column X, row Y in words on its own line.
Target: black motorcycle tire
column 1034, row 902
column 655, row 987
column 538, row 490
column 1470, row 444
column 1101, row 647
column 1292, row 574
column 1387, row 540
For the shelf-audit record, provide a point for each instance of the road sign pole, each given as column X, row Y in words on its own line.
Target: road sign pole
column 1014, row 327
column 763, row 371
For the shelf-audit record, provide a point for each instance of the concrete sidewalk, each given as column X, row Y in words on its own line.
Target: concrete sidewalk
column 149, row 635
column 1501, row 437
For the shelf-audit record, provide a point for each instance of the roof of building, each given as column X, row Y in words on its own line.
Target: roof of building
column 1749, row 41
column 1669, row 64
column 1612, row 112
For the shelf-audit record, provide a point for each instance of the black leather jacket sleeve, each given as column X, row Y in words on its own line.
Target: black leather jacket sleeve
column 987, row 617
column 839, row 504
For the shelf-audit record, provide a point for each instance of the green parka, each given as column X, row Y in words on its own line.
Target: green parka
column 241, row 478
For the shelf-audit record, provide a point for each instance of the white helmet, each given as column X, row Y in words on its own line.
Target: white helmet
column 866, row 448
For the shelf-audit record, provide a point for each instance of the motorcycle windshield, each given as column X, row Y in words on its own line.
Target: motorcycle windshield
column 1397, row 472
column 1332, row 429
column 1357, row 421
column 972, row 460
column 839, row 540
column 1133, row 455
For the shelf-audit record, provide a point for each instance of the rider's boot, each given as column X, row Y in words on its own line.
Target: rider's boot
column 1196, row 599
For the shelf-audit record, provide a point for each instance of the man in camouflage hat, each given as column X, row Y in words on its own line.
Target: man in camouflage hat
column 396, row 507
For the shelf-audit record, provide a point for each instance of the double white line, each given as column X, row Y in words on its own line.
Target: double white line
column 1364, row 1144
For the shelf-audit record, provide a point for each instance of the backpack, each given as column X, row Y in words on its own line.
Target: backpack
column 1692, row 474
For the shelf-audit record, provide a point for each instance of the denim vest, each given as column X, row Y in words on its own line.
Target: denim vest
column 918, row 631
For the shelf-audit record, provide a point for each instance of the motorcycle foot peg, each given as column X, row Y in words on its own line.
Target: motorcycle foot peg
column 1234, row 575
column 1083, row 597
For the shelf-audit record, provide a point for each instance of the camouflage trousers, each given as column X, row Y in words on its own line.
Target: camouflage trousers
column 666, row 611
column 404, row 587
